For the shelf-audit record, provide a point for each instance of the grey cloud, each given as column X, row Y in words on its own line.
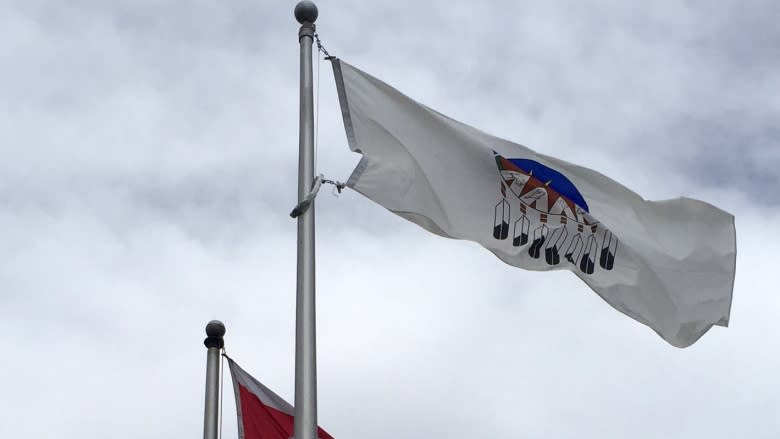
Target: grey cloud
column 642, row 80
column 149, row 158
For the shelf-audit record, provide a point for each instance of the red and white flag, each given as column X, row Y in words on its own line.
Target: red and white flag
column 262, row 414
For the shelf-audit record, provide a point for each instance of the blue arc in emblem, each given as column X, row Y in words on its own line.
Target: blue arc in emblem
column 558, row 181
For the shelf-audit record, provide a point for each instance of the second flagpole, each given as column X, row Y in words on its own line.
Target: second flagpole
column 214, row 342
column 305, row 424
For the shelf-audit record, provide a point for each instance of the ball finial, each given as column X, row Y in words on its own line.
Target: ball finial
column 306, row 12
column 215, row 328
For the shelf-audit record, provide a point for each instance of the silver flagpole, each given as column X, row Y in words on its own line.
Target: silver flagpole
column 215, row 330
column 305, row 425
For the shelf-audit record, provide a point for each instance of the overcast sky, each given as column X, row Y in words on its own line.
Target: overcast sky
column 149, row 159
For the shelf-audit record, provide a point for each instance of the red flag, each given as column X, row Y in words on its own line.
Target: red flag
column 262, row 414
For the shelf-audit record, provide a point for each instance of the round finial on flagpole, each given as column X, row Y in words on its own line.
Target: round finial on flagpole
column 215, row 328
column 306, row 12
column 215, row 331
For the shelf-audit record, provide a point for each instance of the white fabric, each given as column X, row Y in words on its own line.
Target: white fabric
column 266, row 395
column 673, row 261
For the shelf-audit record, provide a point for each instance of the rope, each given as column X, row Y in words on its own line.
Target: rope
column 317, row 111
column 339, row 186
column 304, row 205
column 221, row 387
column 321, row 48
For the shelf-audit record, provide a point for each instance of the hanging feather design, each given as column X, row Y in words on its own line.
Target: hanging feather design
column 540, row 235
column 520, row 234
column 501, row 220
column 574, row 251
column 608, row 250
column 588, row 261
column 554, row 244
column 553, row 216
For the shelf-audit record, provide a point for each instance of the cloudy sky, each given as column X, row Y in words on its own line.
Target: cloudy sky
column 149, row 159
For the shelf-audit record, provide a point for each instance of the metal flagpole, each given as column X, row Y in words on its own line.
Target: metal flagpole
column 305, row 425
column 215, row 330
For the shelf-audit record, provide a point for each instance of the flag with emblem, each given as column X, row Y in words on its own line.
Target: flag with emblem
column 262, row 414
column 667, row 264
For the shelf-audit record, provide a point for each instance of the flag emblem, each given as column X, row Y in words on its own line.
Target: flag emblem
column 552, row 215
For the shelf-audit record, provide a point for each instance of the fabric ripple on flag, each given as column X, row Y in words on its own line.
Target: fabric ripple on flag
column 262, row 414
column 668, row 264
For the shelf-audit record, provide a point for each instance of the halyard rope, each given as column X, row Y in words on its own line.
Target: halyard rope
column 221, row 388
column 304, row 205
column 317, row 112
column 320, row 47
column 306, row 202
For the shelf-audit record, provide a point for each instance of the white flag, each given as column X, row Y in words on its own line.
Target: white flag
column 667, row 264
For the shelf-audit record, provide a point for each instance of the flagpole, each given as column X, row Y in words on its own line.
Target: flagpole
column 305, row 424
column 215, row 330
